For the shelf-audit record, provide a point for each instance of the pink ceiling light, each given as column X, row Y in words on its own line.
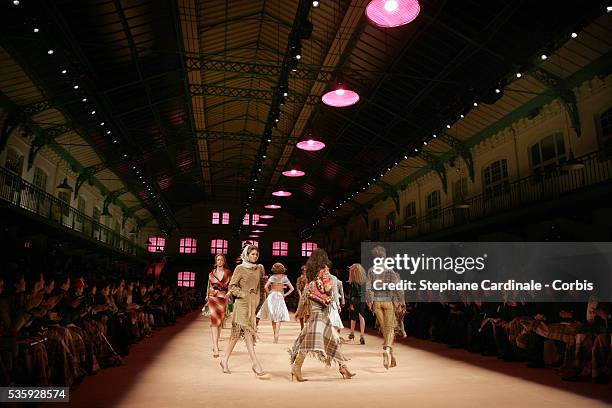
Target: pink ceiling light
column 266, row 216
column 392, row 13
column 272, row 206
column 340, row 97
column 253, row 236
column 294, row 172
column 310, row 145
column 281, row 193
column 257, row 231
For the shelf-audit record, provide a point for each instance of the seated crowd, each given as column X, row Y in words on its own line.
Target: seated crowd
column 575, row 338
column 56, row 328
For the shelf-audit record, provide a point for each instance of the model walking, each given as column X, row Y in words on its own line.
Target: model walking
column 318, row 338
column 303, row 310
column 217, row 296
column 357, row 280
column 274, row 306
column 385, row 304
column 245, row 287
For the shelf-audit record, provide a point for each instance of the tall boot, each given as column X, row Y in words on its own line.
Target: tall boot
column 296, row 368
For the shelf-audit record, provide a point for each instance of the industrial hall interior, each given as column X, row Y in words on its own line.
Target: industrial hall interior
column 187, row 188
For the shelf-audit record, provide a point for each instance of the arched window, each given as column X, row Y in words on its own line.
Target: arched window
column 188, row 245
column 220, row 218
column 218, row 246
column 605, row 136
column 186, row 279
column 280, row 248
column 495, row 179
column 156, row 244
column 308, row 247
column 250, row 242
column 548, row 154
column 40, row 178
column 14, row 161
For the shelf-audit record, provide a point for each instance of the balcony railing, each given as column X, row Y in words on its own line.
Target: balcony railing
column 529, row 190
column 26, row 196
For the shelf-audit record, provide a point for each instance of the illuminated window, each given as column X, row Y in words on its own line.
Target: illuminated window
column 280, row 248
column 220, row 218
column 308, row 247
column 250, row 242
column 186, row 279
column 218, row 246
column 156, row 244
column 250, row 219
column 188, row 245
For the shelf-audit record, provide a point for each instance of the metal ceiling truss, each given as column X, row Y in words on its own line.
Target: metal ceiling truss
column 265, row 70
column 565, row 94
column 437, row 164
column 248, row 94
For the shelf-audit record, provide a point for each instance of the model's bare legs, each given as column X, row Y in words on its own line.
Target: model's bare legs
column 276, row 328
column 361, row 324
column 228, row 352
column 251, row 349
column 215, row 338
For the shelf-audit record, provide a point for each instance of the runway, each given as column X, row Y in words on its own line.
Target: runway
column 175, row 368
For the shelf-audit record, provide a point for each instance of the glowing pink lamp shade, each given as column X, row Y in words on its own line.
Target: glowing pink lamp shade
column 340, row 98
column 253, row 236
column 392, row 13
column 266, row 216
column 281, row 193
column 261, row 224
column 257, row 231
column 293, row 172
column 272, row 206
column 311, row 145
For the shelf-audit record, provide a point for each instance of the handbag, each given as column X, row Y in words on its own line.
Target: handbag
column 206, row 310
column 317, row 293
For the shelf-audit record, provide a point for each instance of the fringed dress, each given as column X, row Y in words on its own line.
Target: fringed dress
column 318, row 338
column 245, row 287
column 217, row 303
column 303, row 309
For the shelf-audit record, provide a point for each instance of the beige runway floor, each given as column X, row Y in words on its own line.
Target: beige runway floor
column 175, row 368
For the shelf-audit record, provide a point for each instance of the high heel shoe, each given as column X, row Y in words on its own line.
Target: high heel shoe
column 224, row 368
column 351, row 336
column 385, row 358
column 258, row 373
column 215, row 355
column 296, row 368
column 361, row 340
column 346, row 374
column 393, row 362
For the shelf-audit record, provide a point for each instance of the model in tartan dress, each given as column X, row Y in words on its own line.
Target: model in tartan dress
column 318, row 338
column 217, row 296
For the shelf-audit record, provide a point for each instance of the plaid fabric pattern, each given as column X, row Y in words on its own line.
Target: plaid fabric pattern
column 318, row 338
column 565, row 332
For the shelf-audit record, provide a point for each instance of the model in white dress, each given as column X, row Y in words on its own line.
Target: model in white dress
column 274, row 307
column 336, row 303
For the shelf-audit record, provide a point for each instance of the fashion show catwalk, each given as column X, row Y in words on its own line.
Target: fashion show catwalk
column 176, row 368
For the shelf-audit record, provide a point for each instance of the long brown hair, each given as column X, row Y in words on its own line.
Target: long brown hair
column 225, row 266
column 317, row 261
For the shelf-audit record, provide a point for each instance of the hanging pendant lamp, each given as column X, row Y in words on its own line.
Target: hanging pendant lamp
column 392, row 13
column 340, row 96
column 64, row 187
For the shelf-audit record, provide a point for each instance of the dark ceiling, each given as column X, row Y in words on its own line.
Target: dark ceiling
column 186, row 85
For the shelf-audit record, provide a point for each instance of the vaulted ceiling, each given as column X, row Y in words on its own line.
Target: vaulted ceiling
column 185, row 86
